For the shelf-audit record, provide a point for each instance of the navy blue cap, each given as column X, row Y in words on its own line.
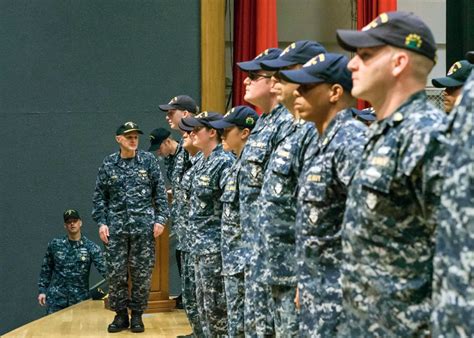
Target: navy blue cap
column 366, row 114
column 181, row 102
column 470, row 57
column 254, row 65
column 203, row 119
column 157, row 136
column 457, row 75
column 239, row 116
column 399, row 29
column 323, row 68
column 182, row 124
column 299, row 52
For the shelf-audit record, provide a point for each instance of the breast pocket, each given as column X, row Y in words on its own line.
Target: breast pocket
column 313, row 195
column 256, row 158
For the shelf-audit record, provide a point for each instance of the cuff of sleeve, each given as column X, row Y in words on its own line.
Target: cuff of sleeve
column 160, row 220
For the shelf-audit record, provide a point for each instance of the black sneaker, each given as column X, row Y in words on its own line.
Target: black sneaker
column 136, row 323
column 120, row 322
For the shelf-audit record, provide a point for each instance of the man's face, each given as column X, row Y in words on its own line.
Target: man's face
column 73, row 226
column 284, row 90
column 128, row 141
column 231, row 138
column 165, row 148
column 312, row 101
column 450, row 95
column 173, row 117
column 371, row 70
column 257, row 86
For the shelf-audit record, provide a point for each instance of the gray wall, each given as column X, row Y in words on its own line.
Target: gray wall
column 71, row 72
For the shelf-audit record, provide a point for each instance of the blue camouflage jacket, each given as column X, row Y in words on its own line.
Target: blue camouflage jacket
column 389, row 224
column 205, row 207
column 130, row 194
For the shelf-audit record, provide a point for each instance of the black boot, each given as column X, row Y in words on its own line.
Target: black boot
column 136, row 324
column 120, row 322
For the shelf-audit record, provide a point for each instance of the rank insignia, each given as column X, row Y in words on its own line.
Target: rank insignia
column 313, row 215
column 371, row 200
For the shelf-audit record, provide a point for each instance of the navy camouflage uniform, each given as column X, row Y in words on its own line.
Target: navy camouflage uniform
column 389, row 225
column 205, row 220
column 184, row 235
column 453, row 285
column 233, row 252
column 176, row 165
column 130, row 198
column 64, row 277
column 331, row 162
column 269, row 130
column 276, row 221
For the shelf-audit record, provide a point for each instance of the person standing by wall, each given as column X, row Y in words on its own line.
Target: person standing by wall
column 64, row 277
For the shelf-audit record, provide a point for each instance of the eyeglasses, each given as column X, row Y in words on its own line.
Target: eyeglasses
column 254, row 76
column 304, row 88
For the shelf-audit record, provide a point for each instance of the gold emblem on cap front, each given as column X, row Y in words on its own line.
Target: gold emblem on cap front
column 130, row 124
column 318, row 58
column 454, row 68
column 382, row 18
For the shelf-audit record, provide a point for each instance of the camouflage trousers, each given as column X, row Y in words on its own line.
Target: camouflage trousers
column 188, row 285
column 286, row 316
column 235, row 295
column 134, row 253
column 210, row 294
column 60, row 298
column 258, row 306
column 320, row 307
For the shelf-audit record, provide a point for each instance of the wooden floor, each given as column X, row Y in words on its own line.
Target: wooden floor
column 90, row 319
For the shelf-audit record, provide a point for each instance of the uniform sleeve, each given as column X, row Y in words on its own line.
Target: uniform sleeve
column 46, row 271
column 98, row 259
column 159, row 193
column 347, row 157
column 101, row 198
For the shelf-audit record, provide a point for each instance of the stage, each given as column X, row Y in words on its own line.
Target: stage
column 90, row 319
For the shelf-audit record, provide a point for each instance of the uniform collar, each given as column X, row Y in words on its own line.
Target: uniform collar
column 138, row 157
column 334, row 126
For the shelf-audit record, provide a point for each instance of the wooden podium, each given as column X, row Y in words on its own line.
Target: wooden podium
column 159, row 300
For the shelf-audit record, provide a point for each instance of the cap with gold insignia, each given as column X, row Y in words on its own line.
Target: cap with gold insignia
column 157, row 136
column 70, row 214
column 457, row 75
column 181, row 102
column 399, row 29
column 323, row 68
column 202, row 120
column 128, row 127
column 240, row 116
column 255, row 64
column 299, row 52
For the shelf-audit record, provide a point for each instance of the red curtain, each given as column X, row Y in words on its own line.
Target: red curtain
column 368, row 10
column 255, row 29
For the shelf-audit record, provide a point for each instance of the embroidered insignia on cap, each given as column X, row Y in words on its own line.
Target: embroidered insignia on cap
column 152, row 137
column 130, row 124
column 229, row 112
column 265, row 52
column 69, row 212
column 382, row 18
column 287, row 49
column 173, row 100
column 203, row 114
column 318, row 58
column 454, row 68
column 249, row 121
column 413, row 41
